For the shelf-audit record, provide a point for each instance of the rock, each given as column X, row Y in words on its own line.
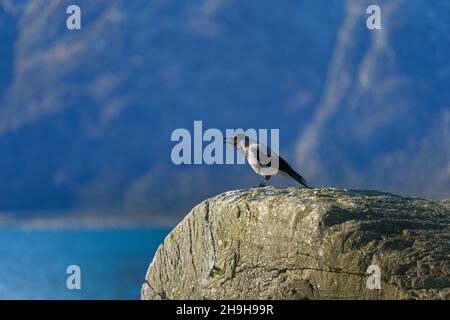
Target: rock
column 290, row 243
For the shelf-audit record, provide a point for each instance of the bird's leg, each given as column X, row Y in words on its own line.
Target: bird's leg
column 263, row 183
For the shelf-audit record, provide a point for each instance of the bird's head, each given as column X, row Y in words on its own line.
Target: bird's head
column 239, row 141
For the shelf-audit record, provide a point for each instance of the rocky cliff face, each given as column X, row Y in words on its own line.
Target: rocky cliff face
column 99, row 99
column 278, row 243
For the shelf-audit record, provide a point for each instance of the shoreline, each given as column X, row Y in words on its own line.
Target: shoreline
column 83, row 221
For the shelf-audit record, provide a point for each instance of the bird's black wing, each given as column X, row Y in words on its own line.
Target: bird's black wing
column 286, row 168
column 263, row 163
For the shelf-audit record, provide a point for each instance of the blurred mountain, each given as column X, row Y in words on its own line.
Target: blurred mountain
column 86, row 116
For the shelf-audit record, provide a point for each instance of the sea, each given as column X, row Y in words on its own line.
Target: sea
column 109, row 264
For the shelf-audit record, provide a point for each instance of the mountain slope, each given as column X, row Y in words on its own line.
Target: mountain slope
column 86, row 116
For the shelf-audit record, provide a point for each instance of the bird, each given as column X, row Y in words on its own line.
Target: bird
column 262, row 160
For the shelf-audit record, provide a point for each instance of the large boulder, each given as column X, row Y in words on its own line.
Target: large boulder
column 290, row 243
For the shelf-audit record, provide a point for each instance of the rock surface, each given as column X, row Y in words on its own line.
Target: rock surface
column 289, row 243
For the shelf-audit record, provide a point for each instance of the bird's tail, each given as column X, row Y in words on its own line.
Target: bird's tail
column 294, row 175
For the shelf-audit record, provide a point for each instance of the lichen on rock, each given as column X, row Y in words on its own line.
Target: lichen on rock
column 290, row 243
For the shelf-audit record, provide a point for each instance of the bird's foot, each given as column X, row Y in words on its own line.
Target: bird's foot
column 263, row 183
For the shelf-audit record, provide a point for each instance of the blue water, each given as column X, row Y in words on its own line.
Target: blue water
column 113, row 263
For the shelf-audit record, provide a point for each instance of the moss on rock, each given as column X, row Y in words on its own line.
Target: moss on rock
column 290, row 243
